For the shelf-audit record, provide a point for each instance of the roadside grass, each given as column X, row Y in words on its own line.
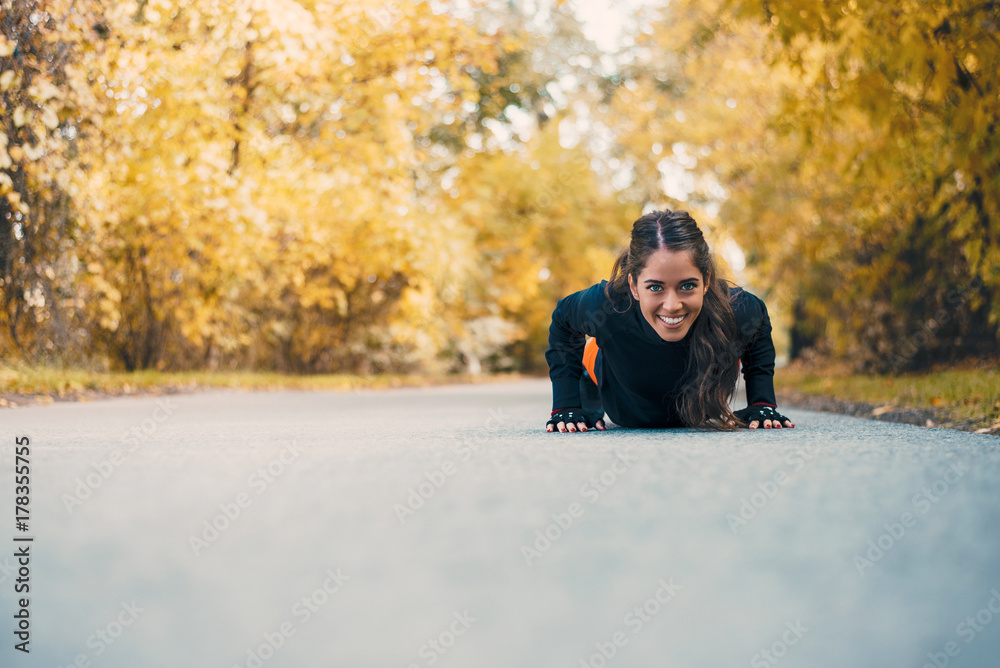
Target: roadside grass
column 22, row 384
column 966, row 395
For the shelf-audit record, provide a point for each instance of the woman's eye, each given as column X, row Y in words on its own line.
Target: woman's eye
column 655, row 288
column 689, row 286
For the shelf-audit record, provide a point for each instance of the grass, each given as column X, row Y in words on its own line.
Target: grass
column 966, row 394
column 21, row 384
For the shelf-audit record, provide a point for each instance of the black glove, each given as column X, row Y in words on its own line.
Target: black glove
column 574, row 416
column 760, row 413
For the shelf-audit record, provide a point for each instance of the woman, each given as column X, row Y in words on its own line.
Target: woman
column 669, row 336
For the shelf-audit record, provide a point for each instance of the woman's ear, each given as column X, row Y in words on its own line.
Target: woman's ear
column 631, row 286
column 708, row 282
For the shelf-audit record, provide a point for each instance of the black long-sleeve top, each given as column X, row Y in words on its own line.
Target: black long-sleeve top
column 639, row 374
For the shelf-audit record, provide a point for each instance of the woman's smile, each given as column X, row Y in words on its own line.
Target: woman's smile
column 671, row 323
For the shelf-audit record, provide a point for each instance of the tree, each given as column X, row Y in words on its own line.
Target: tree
column 856, row 152
column 43, row 108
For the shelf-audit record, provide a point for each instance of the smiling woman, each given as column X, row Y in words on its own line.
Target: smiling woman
column 668, row 339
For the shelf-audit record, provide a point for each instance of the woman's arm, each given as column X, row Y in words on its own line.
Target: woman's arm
column 758, row 363
column 574, row 317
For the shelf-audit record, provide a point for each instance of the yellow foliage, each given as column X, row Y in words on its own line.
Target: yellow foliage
column 325, row 185
column 857, row 156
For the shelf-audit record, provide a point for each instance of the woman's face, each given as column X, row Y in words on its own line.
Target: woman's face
column 670, row 291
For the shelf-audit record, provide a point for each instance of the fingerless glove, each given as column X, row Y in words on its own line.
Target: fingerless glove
column 574, row 415
column 760, row 412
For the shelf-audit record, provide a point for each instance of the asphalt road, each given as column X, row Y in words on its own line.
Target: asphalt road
column 443, row 527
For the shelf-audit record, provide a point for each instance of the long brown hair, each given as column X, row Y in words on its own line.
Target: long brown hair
column 710, row 379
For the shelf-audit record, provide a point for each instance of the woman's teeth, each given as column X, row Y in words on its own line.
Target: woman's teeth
column 671, row 321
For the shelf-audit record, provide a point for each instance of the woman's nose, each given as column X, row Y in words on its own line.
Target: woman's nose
column 671, row 302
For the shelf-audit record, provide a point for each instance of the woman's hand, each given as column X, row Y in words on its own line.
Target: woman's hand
column 573, row 419
column 760, row 415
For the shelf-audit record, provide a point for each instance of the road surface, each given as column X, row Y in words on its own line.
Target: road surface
column 443, row 527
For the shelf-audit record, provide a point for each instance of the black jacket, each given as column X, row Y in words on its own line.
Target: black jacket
column 638, row 373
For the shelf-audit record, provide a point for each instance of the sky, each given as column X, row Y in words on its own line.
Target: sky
column 606, row 22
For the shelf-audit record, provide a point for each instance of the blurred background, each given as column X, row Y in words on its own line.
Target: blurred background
column 322, row 186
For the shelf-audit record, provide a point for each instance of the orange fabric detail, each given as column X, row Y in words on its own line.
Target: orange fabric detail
column 590, row 358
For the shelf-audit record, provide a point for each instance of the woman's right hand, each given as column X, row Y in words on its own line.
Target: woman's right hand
column 573, row 420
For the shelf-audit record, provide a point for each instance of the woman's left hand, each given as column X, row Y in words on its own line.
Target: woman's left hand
column 760, row 415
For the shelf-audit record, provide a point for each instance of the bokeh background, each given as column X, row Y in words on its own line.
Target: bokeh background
column 327, row 186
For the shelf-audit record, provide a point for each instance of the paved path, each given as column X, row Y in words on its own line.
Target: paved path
column 421, row 527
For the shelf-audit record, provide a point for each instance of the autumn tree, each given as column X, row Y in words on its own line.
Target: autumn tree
column 43, row 107
column 287, row 185
column 852, row 150
column 261, row 201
